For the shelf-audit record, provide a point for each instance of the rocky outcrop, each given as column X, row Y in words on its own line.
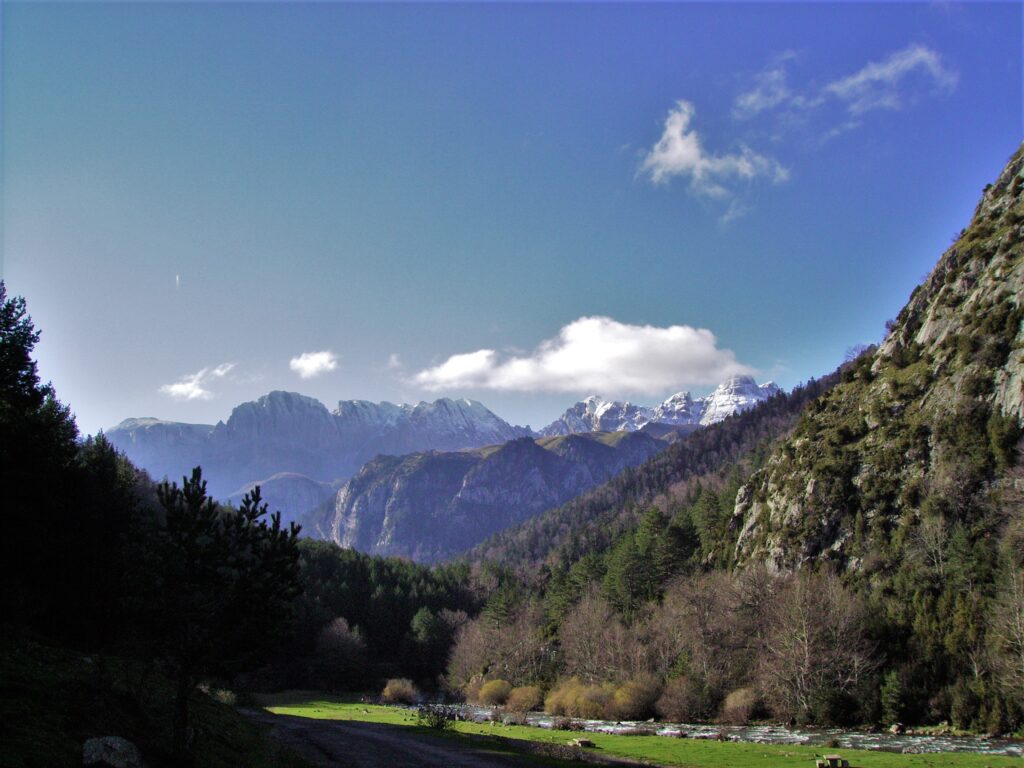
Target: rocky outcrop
column 919, row 427
column 429, row 506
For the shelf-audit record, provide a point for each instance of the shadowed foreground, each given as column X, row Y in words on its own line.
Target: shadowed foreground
column 375, row 745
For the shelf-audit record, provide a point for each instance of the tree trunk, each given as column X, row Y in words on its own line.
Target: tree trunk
column 181, row 745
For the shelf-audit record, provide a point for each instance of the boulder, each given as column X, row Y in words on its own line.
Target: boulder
column 111, row 752
column 582, row 743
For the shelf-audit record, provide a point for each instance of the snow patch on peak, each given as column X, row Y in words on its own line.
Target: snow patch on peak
column 734, row 395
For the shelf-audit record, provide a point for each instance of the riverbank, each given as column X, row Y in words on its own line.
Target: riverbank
column 659, row 749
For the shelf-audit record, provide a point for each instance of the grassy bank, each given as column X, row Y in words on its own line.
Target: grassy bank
column 52, row 700
column 691, row 753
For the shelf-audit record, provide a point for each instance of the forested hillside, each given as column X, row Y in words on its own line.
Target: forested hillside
column 706, row 461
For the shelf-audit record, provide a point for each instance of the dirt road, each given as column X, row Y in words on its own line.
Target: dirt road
column 372, row 745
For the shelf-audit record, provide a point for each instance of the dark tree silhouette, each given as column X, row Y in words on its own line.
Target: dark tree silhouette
column 219, row 586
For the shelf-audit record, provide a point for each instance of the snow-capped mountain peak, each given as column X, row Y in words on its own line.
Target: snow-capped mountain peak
column 592, row 414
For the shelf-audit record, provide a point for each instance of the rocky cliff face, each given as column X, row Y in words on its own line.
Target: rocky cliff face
column 734, row 395
column 429, row 506
column 284, row 432
column 917, row 430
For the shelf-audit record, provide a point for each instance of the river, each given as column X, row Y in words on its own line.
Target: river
column 776, row 734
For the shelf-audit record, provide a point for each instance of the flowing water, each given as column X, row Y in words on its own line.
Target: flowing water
column 776, row 734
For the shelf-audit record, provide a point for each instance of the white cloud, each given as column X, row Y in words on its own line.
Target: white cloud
column 193, row 386
column 878, row 84
column 594, row 354
column 310, row 364
column 769, row 91
column 394, row 362
column 679, row 153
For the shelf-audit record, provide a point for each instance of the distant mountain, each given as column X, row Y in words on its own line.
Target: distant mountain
column 292, row 494
column 734, row 395
column 431, row 506
column 284, row 432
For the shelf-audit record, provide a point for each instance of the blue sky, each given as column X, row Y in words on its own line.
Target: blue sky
column 523, row 204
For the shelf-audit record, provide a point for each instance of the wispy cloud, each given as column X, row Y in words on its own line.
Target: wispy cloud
column 193, row 386
column 594, row 354
column 902, row 77
column 770, row 89
column 680, row 153
column 311, row 364
column 883, row 84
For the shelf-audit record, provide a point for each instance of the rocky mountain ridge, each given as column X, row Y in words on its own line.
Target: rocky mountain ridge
column 433, row 505
column 734, row 395
column 285, row 432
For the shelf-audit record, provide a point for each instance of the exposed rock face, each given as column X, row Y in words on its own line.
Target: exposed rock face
column 429, row 506
column 734, row 395
column 284, row 432
column 922, row 423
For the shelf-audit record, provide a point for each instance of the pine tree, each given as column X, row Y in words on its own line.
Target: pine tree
column 218, row 587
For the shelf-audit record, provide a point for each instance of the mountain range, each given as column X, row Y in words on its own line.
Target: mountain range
column 299, row 452
column 284, row 432
column 734, row 395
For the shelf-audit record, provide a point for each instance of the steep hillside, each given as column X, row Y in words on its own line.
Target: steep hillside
column 915, row 435
column 592, row 522
column 429, row 506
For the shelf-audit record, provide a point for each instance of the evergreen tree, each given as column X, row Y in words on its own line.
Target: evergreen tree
column 218, row 587
column 37, row 452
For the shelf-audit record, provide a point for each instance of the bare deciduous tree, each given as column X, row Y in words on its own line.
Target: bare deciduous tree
column 815, row 645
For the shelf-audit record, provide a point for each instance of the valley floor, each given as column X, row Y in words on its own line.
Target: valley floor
column 364, row 735
column 353, row 744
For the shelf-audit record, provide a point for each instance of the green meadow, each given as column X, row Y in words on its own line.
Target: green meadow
column 659, row 750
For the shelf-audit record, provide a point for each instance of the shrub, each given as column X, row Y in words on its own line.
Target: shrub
column 566, row 724
column 436, row 716
column 495, row 692
column 400, row 690
column 577, row 699
column 634, row 699
column 472, row 690
column 685, row 700
column 594, row 702
column 739, row 706
column 524, row 699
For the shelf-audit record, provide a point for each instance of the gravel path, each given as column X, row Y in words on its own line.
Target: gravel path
column 372, row 745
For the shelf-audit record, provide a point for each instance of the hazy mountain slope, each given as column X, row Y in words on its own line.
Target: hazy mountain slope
column 429, row 506
column 916, row 433
column 592, row 521
column 292, row 494
column 284, row 432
